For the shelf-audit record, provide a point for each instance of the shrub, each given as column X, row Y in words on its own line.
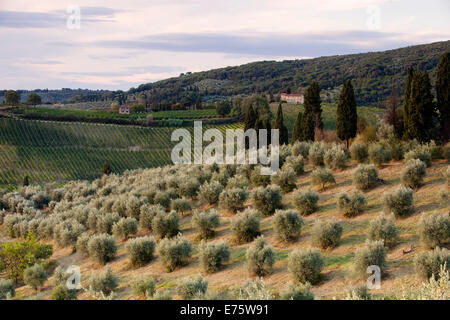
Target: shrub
column 383, row 228
column 162, row 198
column 209, row 192
column 306, row 201
column 434, row 229
column 358, row 293
column 306, row 265
column 67, row 232
column 396, row 148
column 140, row 250
column 104, row 282
column 16, row 256
column 447, row 176
column 206, row 222
column 132, row 207
column 254, row 290
column 180, row 205
column 285, row 179
column 7, row 289
column 166, row 224
column 60, row 276
column 246, row 225
column 147, row 214
column 258, row 179
column 189, row 188
column 335, row 157
column 322, row 176
column 297, row 292
column 266, row 200
column 82, row 244
column 222, row 177
column 413, row 173
column 287, row 224
column 359, row 152
column 351, row 205
column 104, row 222
column 213, row 255
column 192, row 287
column 174, row 252
column 316, row 154
column 162, row 295
column 233, row 199
column 260, row 257
column 61, row 292
column 378, row 154
column 420, row 152
column 238, row 181
column 102, row 248
column 365, row 177
column 400, row 201
column 125, row 227
column 372, row 253
column 144, row 287
column 428, row 264
column 35, row 276
column 446, row 151
column 300, row 148
column 327, row 234
column 444, row 197
column 296, row 163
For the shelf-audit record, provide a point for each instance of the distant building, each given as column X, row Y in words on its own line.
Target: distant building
column 124, row 110
column 292, row 98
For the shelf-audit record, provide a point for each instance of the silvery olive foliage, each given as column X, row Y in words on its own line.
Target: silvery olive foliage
column 260, row 257
column 267, row 199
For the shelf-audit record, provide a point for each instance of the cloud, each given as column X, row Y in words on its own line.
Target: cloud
column 262, row 44
column 25, row 19
column 21, row 19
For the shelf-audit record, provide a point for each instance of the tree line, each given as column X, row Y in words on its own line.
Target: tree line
column 421, row 117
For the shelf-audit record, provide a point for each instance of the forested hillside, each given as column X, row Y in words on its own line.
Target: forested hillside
column 373, row 75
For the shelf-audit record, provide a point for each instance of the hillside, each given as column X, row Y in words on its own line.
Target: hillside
column 60, row 151
column 336, row 277
column 373, row 74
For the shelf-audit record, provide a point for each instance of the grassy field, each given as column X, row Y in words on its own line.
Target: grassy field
column 337, row 275
column 290, row 112
column 170, row 114
column 58, row 151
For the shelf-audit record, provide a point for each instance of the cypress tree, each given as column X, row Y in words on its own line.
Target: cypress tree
column 198, row 103
column 421, row 107
column 307, row 127
column 106, row 169
column 312, row 100
column 346, row 116
column 284, row 134
column 250, row 118
column 443, row 94
column 393, row 115
column 297, row 131
column 26, row 181
column 406, row 103
column 312, row 117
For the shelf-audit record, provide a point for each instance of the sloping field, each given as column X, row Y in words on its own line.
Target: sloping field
column 60, row 151
column 337, row 275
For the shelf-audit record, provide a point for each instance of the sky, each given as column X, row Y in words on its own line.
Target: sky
column 116, row 44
